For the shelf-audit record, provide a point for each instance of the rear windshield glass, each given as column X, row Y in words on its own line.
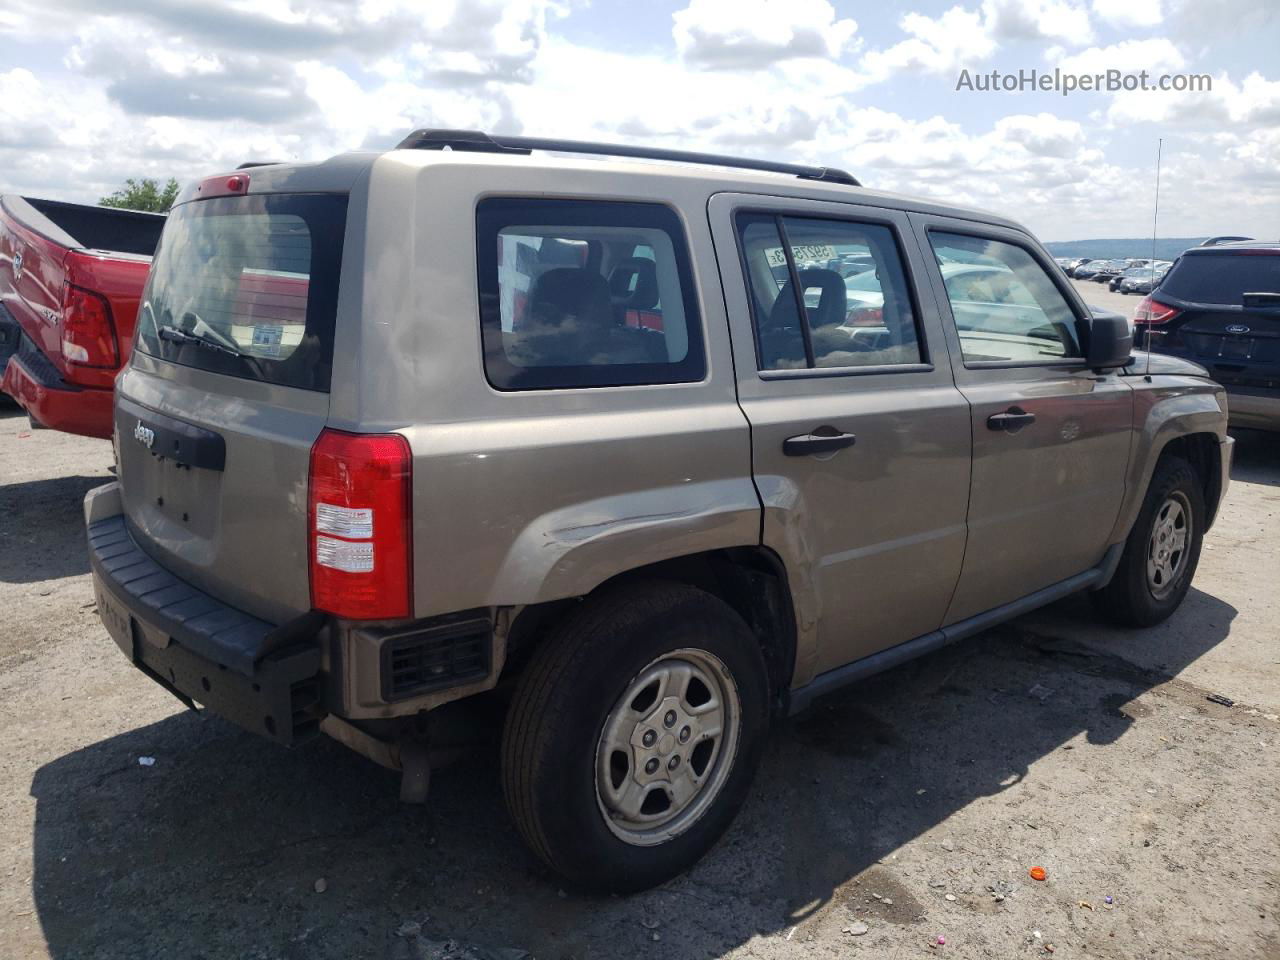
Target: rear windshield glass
column 248, row 287
column 1222, row 277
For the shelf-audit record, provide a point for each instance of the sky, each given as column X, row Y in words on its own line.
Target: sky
column 94, row 91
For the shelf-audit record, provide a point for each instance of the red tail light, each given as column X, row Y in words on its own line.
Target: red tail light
column 88, row 338
column 1153, row 312
column 360, row 519
column 864, row 317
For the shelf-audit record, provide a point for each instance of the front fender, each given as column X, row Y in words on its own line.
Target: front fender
column 1165, row 409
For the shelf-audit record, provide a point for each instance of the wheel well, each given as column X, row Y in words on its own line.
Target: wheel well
column 1201, row 451
column 751, row 580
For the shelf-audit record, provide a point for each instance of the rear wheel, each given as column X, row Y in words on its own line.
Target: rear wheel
column 1162, row 551
column 634, row 734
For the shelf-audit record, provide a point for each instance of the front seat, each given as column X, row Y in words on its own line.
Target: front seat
column 781, row 340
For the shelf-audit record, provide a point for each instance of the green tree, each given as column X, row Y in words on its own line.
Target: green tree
column 145, row 194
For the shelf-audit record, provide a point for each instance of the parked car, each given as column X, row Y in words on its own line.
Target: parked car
column 1076, row 264
column 1133, row 268
column 68, row 301
column 1087, row 271
column 1144, row 279
column 444, row 471
column 1219, row 306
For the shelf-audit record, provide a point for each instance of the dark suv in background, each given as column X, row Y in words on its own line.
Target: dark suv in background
column 1220, row 306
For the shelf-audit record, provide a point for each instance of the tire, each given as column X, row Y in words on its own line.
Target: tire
column 560, row 769
column 1136, row 597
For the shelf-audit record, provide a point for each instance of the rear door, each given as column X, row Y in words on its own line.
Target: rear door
column 860, row 439
column 1050, row 437
column 227, row 389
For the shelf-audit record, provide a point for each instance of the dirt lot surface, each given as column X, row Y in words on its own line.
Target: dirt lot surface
column 907, row 808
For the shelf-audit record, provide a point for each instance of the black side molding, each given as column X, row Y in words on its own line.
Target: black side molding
column 168, row 437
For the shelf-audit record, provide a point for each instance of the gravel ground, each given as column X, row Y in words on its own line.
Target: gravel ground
column 907, row 808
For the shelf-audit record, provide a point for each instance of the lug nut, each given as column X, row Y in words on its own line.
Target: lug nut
column 652, row 766
column 650, row 738
column 670, row 718
column 673, row 762
column 685, row 734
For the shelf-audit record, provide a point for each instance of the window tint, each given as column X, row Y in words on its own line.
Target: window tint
column 1223, row 277
column 247, row 286
column 857, row 311
column 1006, row 307
column 585, row 294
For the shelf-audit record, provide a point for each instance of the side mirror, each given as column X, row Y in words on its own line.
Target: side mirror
column 1110, row 340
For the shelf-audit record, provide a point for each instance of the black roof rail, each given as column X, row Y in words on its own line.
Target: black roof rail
column 249, row 164
column 478, row 142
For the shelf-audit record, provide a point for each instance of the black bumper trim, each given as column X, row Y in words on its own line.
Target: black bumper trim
column 198, row 648
column 217, row 632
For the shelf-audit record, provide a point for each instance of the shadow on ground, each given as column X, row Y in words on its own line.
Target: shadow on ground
column 214, row 851
column 1257, row 457
column 42, row 522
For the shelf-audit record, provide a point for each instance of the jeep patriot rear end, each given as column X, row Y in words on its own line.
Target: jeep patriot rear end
column 645, row 455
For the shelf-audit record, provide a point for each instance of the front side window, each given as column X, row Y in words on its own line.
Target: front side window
column 580, row 293
column 846, row 279
column 1006, row 306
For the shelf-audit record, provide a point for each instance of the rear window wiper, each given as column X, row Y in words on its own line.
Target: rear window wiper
column 185, row 336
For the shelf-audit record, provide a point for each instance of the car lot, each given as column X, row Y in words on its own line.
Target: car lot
column 914, row 803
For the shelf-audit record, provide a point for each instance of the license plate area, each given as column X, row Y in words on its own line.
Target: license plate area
column 1236, row 348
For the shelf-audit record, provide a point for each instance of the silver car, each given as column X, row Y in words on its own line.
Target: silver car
column 597, row 443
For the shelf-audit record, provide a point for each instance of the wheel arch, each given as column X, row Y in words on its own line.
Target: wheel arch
column 752, row 581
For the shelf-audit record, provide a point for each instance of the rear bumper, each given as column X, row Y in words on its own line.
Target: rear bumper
column 1256, row 408
column 32, row 380
column 195, row 646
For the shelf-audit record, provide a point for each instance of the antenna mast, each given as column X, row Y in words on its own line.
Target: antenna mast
column 1155, row 222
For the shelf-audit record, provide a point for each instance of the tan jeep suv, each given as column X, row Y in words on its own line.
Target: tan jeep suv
column 645, row 454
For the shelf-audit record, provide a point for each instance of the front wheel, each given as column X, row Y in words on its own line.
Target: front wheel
column 1162, row 551
column 634, row 734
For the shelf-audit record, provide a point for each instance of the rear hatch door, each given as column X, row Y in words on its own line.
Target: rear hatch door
column 228, row 389
column 1230, row 314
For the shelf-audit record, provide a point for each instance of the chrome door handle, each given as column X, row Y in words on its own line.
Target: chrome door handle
column 1011, row 421
column 819, row 440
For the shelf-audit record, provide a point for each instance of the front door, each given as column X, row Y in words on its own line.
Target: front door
column 1050, row 437
column 860, row 439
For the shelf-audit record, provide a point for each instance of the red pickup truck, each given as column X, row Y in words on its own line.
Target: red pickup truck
column 71, row 276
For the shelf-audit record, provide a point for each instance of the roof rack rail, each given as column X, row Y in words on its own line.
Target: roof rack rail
column 476, row 141
column 249, row 164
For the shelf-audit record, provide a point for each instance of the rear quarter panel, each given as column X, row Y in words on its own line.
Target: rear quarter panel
column 523, row 497
column 32, row 274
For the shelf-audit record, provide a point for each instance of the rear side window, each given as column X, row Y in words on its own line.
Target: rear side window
column 248, row 287
column 1222, row 277
column 579, row 293
column 1006, row 306
column 847, row 280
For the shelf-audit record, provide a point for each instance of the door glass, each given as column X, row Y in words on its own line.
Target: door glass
column 856, row 306
column 1006, row 307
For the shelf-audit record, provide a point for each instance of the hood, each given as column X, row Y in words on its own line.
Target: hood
column 1162, row 363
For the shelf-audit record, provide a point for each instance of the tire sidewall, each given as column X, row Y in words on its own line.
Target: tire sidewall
column 565, row 787
column 1173, row 474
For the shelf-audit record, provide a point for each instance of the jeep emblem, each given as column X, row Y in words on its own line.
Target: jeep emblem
column 144, row 435
column 1237, row 328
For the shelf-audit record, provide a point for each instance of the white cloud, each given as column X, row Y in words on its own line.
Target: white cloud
column 1157, row 55
column 748, row 34
column 1130, row 13
column 961, row 37
column 1254, row 102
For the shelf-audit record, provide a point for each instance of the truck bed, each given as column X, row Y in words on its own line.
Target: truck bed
column 71, row 277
